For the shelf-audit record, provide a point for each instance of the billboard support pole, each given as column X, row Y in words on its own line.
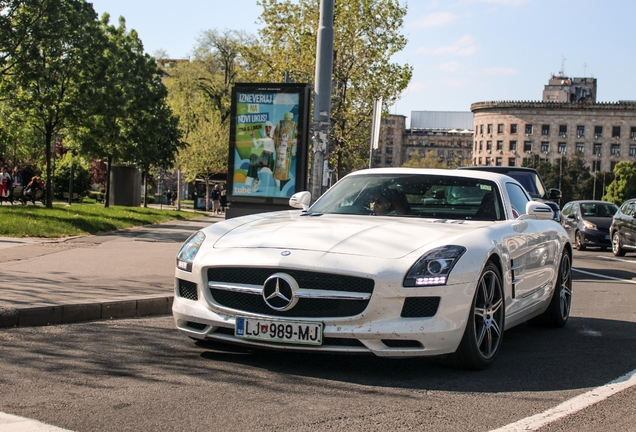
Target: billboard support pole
column 322, row 101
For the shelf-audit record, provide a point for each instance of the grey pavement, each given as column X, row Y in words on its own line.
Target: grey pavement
column 123, row 274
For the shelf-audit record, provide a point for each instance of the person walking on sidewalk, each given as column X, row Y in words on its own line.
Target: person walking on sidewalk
column 216, row 199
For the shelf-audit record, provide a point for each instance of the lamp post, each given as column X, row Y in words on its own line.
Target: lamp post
column 561, row 166
column 595, row 171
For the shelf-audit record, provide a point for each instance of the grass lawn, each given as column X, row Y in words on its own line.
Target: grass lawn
column 79, row 219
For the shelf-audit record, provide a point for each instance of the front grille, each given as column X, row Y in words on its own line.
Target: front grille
column 305, row 307
column 187, row 289
column 420, row 307
column 311, row 308
column 399, row 343
column 196, row 326
column 326, row 341
column 305, row 279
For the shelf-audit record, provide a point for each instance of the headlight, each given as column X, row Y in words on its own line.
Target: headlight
column 189, row 250
column 433, row 267
column 589, row 225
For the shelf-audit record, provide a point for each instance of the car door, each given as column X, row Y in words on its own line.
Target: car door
column 532, row 263
column 569, row 223
column 628, row 228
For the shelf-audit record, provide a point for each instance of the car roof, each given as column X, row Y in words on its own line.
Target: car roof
column 503, row 169
column 476, row 174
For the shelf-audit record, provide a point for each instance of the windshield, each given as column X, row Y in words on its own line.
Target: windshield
column 413, row 195
column 598, row 210
column 530, row 182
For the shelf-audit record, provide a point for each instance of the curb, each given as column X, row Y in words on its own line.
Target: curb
column 43, row 315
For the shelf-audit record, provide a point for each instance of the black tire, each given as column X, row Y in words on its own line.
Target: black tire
column 579, row 242
column 617, row 248
column 558, row 312
column 484, row 330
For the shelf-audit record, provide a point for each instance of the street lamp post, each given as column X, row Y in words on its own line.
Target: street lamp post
column 595, row 172
column 561, row 166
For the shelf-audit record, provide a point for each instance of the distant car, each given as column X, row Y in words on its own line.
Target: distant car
column 530, row 180
column 392, row 262
column 623, row 228
column 588, row 223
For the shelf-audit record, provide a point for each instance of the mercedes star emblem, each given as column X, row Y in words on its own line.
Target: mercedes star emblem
column 278, row 291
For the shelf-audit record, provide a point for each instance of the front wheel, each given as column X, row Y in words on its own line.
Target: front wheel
column 580, row 242
column 484, row 329
column 616, row 245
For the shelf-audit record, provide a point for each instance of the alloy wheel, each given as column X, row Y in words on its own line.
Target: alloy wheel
column 565, row 286
column 489, row 314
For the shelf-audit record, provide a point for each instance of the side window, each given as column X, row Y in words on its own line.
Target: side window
column 518, row 198
column 567, row 209
column 575, row 211
column 630, row 209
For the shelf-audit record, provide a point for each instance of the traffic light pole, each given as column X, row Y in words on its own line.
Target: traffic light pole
column 322, row 101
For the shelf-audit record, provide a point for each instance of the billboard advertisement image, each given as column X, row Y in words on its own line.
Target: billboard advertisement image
column 268, row 140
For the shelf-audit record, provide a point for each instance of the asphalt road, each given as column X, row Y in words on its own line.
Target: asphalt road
column 140, row 374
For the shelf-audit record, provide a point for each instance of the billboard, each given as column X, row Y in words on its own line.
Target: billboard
column 268, row 142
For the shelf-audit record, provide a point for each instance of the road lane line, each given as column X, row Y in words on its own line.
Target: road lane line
column 10, row 422
column 572, row 406
column 604, row 276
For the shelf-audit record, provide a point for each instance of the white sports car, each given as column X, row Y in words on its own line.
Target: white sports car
column 394, row 262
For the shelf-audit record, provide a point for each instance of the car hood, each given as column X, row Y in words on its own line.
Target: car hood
column 600, row 222
column 384, row 237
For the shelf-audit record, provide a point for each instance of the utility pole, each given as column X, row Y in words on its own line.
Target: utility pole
column 322, row 101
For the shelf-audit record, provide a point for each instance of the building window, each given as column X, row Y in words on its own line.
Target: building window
column 389, row 160
column 479, row 161
column 616, row 150
column 545, row 147
column 563, row 130
column 616, row 132
column 489, row 129
column 481, row 145
column 580, row 147
column 513, row 128
column 481, row 129
column 527, row 146
column 598, row 149
column 632, row 133
column 632, row 150
column 487, row 161
column 512, row 162
column 596, row 165
column 562, row 148
column 598, row 131
column 388, row 151
column 612, row 165
column 545, row 130
column 528, row 129
column 500, row 128
column 498, row 161
column 580, row 131
column 489, row 145
column 499, row 146
column 513, row 146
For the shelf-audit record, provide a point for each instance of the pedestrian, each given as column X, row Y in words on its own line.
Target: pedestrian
column 30, row 192
column 216, row 199
column 223, row 200
column 168, row 197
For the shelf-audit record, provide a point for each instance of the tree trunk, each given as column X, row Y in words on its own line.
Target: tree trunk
column 107, row 195
column 49, row 185
column 178, row 189
column 145, row 186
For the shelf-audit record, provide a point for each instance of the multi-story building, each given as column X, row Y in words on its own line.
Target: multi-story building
column 452, row 145
column 568, row 120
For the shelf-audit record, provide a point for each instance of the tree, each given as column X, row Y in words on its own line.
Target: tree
column 366, row 35
column 623, row 186
column 200, row 121
column 428, row 161
column 51, row 77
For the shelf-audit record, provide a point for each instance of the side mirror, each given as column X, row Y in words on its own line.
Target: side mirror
column 300, row 200
column 537, row 210
column 554, row 194
column 571, row 216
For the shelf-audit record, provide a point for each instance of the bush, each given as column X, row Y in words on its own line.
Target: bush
column 81, row 175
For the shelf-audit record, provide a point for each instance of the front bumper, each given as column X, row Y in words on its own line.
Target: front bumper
column 596, row 238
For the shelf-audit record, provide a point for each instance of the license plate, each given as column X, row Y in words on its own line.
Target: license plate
column 298, row 332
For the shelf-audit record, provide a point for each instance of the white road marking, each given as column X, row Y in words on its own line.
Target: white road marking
column 572, row 406
column 589, row 332
column 13, row 423
column 604, row 276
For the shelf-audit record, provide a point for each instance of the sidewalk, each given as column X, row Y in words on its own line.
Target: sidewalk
column 128, row 273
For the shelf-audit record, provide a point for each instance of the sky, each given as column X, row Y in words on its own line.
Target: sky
column 461, row 51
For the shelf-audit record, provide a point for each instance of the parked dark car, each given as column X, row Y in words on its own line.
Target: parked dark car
column 623, row 228
column 531, row 181
column 588, row 223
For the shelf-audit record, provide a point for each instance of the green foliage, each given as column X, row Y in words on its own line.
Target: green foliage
column 428, row 161
column 79, row 219
column 81, row 175
column 623, row 186
column 366, row 35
